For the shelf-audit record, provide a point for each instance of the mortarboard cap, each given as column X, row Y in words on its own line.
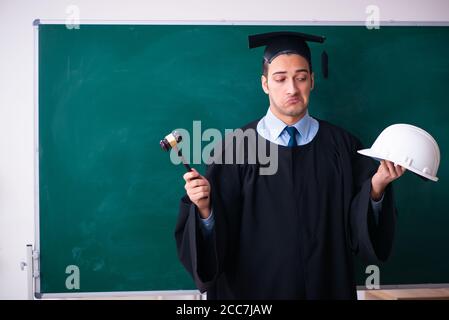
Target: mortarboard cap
column 283, row 42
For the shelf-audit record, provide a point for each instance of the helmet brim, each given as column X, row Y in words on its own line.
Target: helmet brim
column 372, row 154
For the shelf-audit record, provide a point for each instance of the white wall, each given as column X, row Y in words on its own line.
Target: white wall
column 16, row 83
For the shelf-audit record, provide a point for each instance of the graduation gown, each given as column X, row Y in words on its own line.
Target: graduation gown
column 291, row 235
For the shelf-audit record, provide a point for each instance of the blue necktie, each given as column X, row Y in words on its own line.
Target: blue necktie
column 292, row 132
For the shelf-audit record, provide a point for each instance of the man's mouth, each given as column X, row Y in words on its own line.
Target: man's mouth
column 293, row 100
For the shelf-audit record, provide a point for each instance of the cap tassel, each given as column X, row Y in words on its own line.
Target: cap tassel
column 324, row 64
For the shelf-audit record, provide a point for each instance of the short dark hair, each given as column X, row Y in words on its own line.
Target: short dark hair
column 265, row 68
column 265, row 65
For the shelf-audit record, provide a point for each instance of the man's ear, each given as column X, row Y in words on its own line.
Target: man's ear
column 312, row 79
column 264, row 81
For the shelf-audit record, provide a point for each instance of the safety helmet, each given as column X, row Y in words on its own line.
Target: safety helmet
column 409, row 146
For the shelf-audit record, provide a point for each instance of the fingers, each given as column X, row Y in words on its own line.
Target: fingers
column 197, row 186
column 196, row 193
column 384, row 167
column 391, row 171
column 399, row 170
column 196, row 190
column 198, row 182
column 191, row 175
column 198, row 196
column 394, row 170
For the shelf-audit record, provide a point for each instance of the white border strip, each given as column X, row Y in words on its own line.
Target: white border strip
column 155, row 295
column 36, row 265
column 245, row 23
column 407, row 286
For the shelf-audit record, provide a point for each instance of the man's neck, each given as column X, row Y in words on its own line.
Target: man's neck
column 288, row 120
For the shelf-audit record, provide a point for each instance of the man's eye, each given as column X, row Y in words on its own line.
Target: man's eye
column 279, row 79
column 301, row 79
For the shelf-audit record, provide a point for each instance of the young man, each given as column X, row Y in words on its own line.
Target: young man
column 292, row 234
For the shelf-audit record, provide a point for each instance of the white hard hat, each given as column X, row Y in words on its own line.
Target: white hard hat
column 409, row 146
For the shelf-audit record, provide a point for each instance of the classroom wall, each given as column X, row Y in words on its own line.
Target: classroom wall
column 17, row 83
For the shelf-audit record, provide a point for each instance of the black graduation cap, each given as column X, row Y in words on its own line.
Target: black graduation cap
column 283, row 42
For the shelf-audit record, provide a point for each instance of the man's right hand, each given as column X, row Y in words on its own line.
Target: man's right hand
column 198, row 190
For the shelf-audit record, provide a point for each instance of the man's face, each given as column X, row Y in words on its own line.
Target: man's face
column 288, row 84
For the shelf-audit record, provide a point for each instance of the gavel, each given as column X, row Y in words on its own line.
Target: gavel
column 171, row 142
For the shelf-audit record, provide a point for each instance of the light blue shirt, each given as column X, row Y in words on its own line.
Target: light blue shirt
column 272, row 129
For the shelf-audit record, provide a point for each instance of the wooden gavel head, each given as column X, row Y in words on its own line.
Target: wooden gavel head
column 170, row 141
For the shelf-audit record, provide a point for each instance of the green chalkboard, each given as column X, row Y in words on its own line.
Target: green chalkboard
column 108, row 196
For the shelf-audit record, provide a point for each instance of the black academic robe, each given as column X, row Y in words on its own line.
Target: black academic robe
column 291, row 235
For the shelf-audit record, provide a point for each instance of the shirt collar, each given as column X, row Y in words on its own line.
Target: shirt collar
column 275, row 125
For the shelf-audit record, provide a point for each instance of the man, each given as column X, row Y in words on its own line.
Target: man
column 290, row 235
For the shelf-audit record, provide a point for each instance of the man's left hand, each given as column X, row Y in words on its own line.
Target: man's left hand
column 386, row 173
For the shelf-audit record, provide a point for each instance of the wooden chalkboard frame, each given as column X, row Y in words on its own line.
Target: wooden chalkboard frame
column 34, row 280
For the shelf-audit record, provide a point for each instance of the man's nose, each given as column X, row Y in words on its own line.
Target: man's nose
column 292, row 88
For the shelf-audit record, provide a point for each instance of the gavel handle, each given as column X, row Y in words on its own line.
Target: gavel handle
column 188, row 168
column 186, row 165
